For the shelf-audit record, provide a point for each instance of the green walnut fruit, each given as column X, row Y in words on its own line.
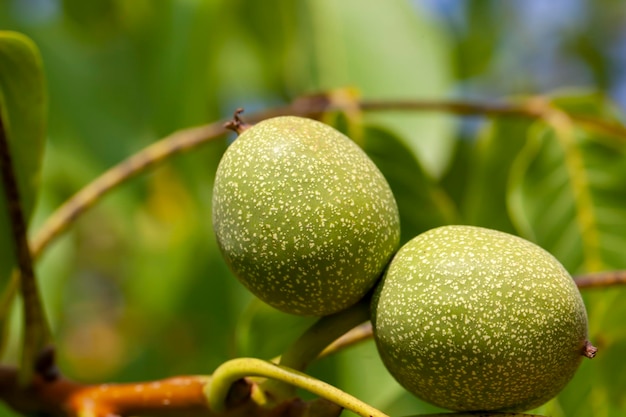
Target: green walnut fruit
column 472, row 319
column 303, row 217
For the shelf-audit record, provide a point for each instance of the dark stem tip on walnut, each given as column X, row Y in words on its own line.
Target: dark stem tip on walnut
column 237, row 125
column 589, row 350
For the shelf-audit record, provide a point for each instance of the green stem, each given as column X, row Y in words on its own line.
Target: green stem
column 314, row 340
column 229, row 372
column 322, row 333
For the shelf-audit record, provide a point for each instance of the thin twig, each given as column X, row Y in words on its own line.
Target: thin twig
column 311, row 106
column 533, row 108
column 143, row 160
column 601, row 279
column 357, row 335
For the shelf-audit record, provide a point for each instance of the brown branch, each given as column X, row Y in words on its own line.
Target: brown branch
column 147, row 158
column 143, row 160
column 37, row 333
column 65, row 397
column 179, row 396
column 311, row 106
column 236, row 124
column 601, row 279
column 176, row 396
column 533, row 108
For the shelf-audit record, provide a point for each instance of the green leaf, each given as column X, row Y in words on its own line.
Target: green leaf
column 256, row 332
column 23, row 111
column 385, row 50
column 421, row 202
column 23, row 114
column 567, row 194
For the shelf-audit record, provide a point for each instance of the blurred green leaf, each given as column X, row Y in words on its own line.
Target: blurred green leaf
column 264, row 332
column 23, row 113
column 385, row 50
column 421, row 202
column 477, row 46
column 569, row 197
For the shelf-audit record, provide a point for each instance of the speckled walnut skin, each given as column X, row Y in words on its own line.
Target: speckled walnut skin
column 472, row 319
column 303, row 217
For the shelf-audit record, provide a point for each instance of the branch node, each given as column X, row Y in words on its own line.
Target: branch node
column 237, row 125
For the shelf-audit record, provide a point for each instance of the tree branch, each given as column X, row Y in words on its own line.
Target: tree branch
column 601, row 279
column 357, row 335
column 184, row 394
column 311, row 106
column 173, row 397
column 143, row 160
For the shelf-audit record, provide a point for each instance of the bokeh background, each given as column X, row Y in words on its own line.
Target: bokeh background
column 137, row 289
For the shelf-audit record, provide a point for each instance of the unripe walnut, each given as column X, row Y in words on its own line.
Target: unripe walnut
column 472, row 319
column 303, row 217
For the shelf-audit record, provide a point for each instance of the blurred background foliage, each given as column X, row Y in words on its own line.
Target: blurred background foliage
column 137, row 289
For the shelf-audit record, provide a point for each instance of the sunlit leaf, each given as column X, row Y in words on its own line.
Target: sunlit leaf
column 568, row 194
column 347, row 49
